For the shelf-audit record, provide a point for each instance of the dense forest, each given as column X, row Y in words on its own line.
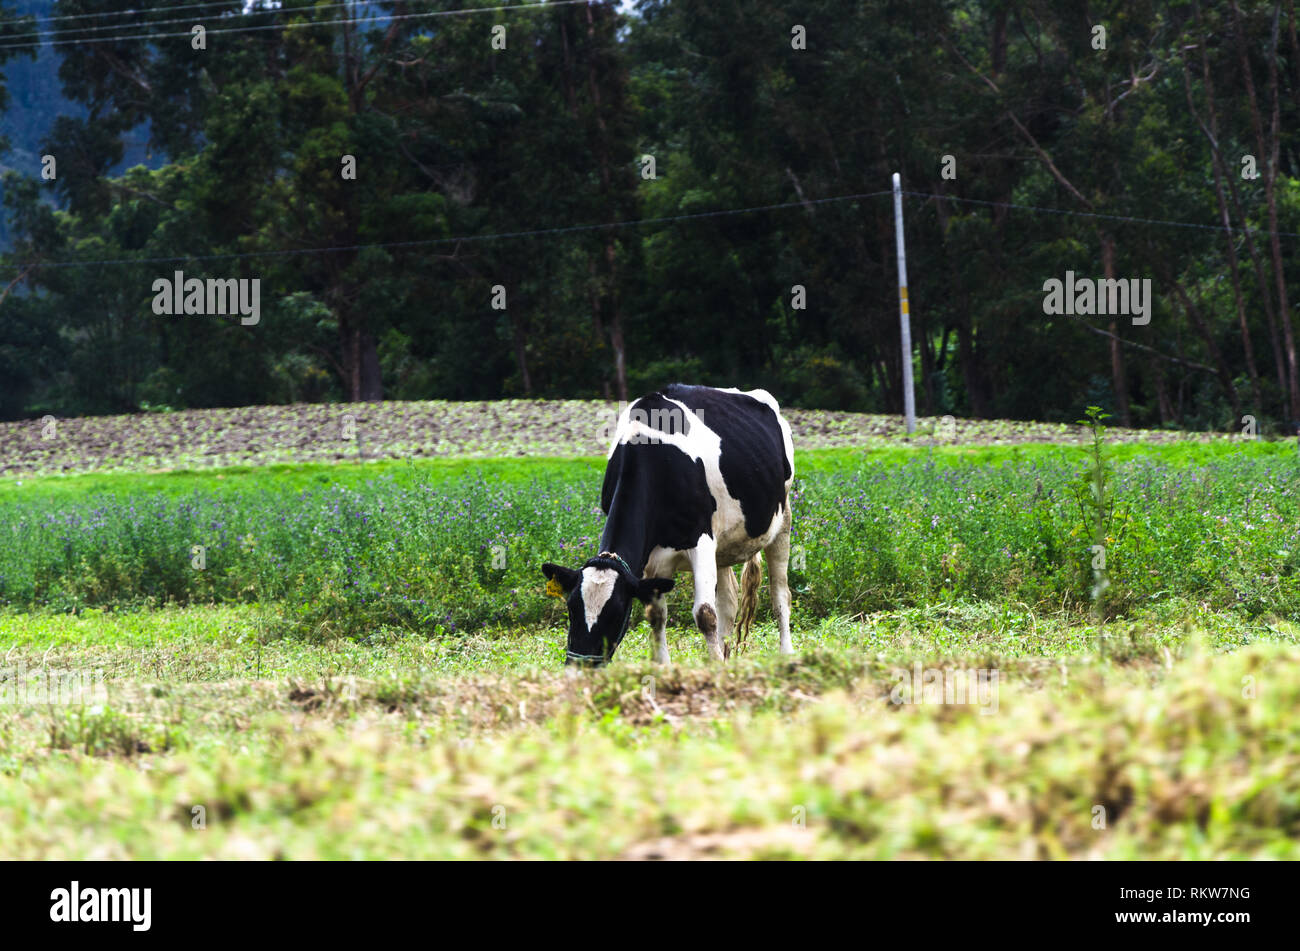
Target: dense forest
column 593, row 199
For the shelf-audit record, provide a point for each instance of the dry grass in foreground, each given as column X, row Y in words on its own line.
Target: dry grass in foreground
column 1161, row 756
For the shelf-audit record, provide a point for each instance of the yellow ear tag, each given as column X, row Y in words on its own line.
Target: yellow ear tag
column 553, row 589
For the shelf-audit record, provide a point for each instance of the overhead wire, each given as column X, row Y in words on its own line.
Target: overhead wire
column 375, row 18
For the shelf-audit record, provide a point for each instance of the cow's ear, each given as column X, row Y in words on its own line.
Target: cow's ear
column 650, row 588
column 564, row 578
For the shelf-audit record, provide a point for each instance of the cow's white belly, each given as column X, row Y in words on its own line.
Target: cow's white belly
column 665, row 562
column 734, row 547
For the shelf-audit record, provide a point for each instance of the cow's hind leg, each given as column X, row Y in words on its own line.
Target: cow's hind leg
column 778, row 561
column 727, row 602
column 704, row 568
column 656, row 612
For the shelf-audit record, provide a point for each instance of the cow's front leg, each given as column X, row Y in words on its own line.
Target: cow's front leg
column 656, row 612
column 704, row 568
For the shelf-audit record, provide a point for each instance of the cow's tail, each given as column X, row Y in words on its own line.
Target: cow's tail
column 751, row 576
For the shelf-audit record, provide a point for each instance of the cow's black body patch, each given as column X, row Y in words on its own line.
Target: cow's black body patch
column 654, row 495
column 753, row 463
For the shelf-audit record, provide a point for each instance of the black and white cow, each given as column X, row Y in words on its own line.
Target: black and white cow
column 698, row 479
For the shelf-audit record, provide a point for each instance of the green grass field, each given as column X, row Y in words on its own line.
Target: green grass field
column 361, row 664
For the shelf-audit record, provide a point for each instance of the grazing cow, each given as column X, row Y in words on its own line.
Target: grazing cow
column 697, row 479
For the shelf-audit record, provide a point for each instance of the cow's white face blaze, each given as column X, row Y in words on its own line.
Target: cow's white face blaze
column 596, row 589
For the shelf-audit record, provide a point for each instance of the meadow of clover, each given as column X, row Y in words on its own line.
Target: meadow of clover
column 280, row 633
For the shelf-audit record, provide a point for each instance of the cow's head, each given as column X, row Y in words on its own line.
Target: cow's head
column 600, row 596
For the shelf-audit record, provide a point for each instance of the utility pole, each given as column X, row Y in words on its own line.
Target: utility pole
column 909, row 394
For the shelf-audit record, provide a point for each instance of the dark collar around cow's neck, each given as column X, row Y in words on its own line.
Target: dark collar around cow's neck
column 587, row 658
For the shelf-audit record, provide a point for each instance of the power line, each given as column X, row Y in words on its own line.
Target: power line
column 1094, row 214
column 67, row 31
column 244, row 10
column 463, row 239
column 133, row 12
column 368, row 14
column 377, row 18
column 636, row 222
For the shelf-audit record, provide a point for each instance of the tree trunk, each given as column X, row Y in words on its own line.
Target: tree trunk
column 613, row 310
column 349, row 347
column 616, row 323
column 927, row 367
column 1118, row 379
column 360, row 364
column 370, row 385
column 999, row 50
column 1198, row 323
column 1270, row 173
column 976, row 392
column 363, row 378
column 1275, row 240
column 521, row 358
column 1167, row 415
column 1212, row 135
column 1265, row 293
